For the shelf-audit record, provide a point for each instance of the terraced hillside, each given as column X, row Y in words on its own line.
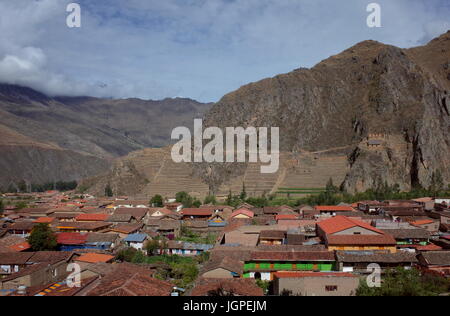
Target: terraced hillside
column 152, row 171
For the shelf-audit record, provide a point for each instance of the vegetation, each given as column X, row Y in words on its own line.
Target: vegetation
column 189, row 236
column 187, row 200
column 210, row 199
column 42, row 238
column 108, row 191
column 401, row 282
column 21, row 205
column 157, row 201
column 332, row 195
column 181, row 270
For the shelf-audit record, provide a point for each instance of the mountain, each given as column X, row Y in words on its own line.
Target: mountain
column 69, row 138
column 371, row 114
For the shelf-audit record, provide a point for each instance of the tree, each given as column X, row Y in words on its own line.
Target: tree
column 210, row 199
column 108, row 191
column 197, row 203
column 331, row 188
column 157, row 201
column 126, row 255
column 402, row 282
column 152, row 246
column 243, row 195
column 42, row 238
column 185, row 199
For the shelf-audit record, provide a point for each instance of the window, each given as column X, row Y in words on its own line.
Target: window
column 357, row 233
column 331, row 288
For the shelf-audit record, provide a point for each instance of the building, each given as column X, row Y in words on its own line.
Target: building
column 136, row 241
column 272, row 237
column 436, row 261
column 359, row 261
column 196, row 214
column 344, row 233
column 226, row 287
column 333, row 210
column 315, row 284
column 263, row 264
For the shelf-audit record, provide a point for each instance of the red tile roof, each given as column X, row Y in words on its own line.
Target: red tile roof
column 92, row 217
column 333, row 208
column 430, row 247
column 44, row 220
column 341, row 223
column 71, row 238
column 131, row 280
column 196, row 212
column 95, row 258
column 20, row 247
column 422, row 222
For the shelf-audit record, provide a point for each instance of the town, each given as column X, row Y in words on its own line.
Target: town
column 180, row 247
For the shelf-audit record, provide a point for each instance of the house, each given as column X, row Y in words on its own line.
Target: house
column 436, row 261
column 136, row 241
column 242, row 213
column 196, row 214
column 102, row 241
column 88, row 258
column 429, row 225
column 42, row 268
column 344, row 233
column 426, row 202
column 13, row 262
column 23, row 228
column 13, row 243
column 315, row 284
column 35, row 212
column 307, row 211
column 222, row 267
column 91, row 217
column 44, row 220
column 120, row 219
column 272, row 237
column 71, row 241
column 409, row 238
column 138, row 214
column 182, row 248
column 127, row 229
column 240, row 238
column 332, row 210
column 226, row 287
column 82, row 227
column 370, row 207
column 263, row 264
column 358, row 262
column 128, row 280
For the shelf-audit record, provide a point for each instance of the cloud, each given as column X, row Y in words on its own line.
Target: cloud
column 201, row 49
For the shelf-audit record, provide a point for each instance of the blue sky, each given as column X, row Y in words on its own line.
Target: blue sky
column 201, row 49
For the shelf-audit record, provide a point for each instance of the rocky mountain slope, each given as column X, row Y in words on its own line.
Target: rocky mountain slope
column 51, row 139
column 369, row 114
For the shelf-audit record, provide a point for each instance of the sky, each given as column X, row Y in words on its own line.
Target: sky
column 199, row 49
